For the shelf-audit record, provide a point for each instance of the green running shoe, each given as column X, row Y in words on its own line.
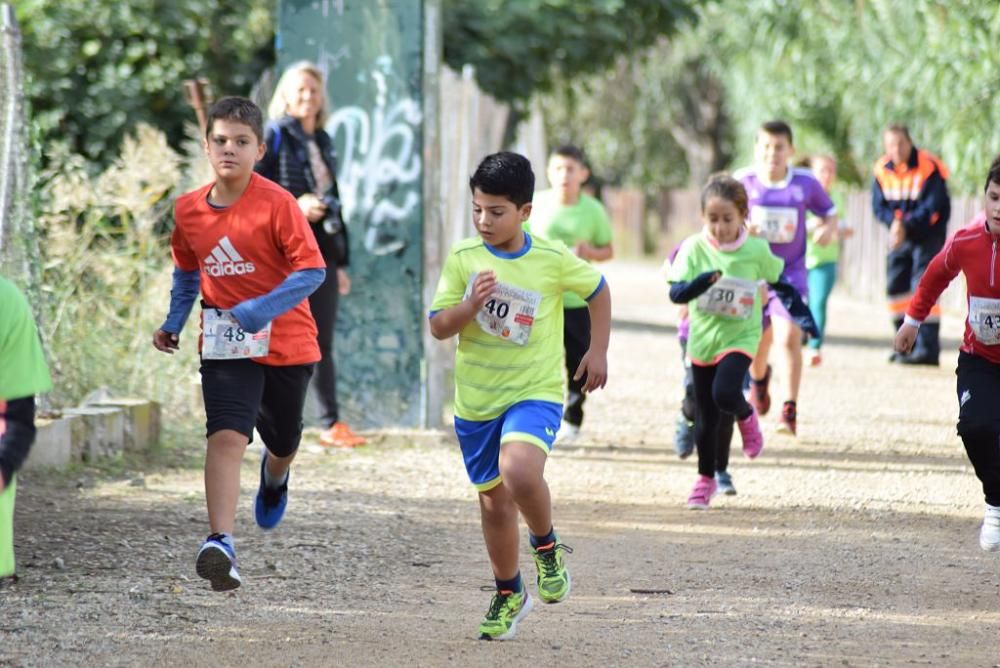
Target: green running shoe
column 507, row 608
column 553, row 580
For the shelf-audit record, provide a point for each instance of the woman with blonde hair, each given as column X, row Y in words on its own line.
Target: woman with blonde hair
column 301, row 159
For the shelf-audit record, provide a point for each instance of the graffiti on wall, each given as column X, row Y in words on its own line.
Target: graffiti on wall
column 379, row 171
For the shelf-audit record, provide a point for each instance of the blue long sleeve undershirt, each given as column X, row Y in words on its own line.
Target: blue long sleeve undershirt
column 183, row 292
column 252, row 314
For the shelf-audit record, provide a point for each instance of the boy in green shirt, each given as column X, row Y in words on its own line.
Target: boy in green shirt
column 565, row 213
column 23, row 374
column 502, row 293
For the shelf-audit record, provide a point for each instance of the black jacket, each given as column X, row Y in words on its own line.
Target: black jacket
column 289, row 167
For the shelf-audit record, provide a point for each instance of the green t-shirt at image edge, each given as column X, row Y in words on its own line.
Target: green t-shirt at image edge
column 23, row 372
column 584, row 221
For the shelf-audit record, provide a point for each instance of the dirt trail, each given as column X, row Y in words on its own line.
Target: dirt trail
column 855, row 544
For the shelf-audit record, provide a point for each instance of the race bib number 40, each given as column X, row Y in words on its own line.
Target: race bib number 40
column 509, row 313
column 777, row 224
column 984, row 319
column 224, row 339
column 728, row 297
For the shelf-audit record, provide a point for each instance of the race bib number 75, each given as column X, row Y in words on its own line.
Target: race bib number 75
column 777, row 224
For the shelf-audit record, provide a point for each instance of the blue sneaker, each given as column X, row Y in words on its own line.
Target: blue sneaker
column 269, row 506
column 725, row 483
column 217, row 563
column 684, row 437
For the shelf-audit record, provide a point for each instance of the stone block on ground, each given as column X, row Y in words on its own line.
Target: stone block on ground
column 142, row 421
column 53, row 445
column 98, row 434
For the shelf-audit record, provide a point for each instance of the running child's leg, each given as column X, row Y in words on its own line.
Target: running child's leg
column 222, row 478
column 7, row 497
column 498, row 513
column 978, row 425
column 727, row 392
column 524, row 447
column 821, row 280
column 279, row 421
column 706, row 425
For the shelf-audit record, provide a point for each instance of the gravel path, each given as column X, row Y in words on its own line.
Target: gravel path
column 855, row 544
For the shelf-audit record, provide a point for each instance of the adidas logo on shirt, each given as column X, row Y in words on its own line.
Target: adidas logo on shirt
column 225, row 261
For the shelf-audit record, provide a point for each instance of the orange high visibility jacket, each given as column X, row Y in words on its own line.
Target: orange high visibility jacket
column 916, row 192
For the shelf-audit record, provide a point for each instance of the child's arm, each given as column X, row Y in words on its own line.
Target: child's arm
column 940, row 272
column 17, row 439
column 681, row 292
column 183, row 293
column 589, row 251
column 595, row 360
column 254, row 314
column 450, row 321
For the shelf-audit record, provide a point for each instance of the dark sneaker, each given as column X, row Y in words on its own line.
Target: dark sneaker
column 553, row 579
column 269, row 506
column 217, row 563
column 789, row 417
column 724, row 483
column 507, row 608
column 760, row 397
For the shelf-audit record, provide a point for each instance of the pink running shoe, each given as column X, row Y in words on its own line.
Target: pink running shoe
column 704, row 490
column 753, row 440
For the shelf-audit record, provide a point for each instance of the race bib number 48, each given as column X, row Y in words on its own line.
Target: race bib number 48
column 224, row 339
column 984, row 319
column 777, row 224
column 509, row 313
column 729, row 297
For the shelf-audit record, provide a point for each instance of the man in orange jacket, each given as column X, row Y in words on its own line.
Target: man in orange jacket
column 910, row 197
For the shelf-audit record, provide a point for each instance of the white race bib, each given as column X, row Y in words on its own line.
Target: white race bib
column 224, row 339
column 509, row 313
column 777, row 224
column 984, row 319
column 729, row 297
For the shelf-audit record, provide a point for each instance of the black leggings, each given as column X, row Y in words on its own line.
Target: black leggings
column 576, row 340
column 323, row 304
column 718, row 392
column 978, row 420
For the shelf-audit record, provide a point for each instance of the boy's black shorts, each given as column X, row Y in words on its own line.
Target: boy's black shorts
column 978, row 394
column 241, row 394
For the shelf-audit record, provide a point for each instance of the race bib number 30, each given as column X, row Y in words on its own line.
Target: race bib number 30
column 731, row 298
column 509, row 313
column 984, row 319
column 777, row 224
column 224, row 339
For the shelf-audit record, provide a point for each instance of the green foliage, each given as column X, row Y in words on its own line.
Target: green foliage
column 841, row 71
column 106, row 273
column 523, row 47
column 96, row 68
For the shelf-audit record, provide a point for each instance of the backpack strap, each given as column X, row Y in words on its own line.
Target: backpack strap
column 276, row 141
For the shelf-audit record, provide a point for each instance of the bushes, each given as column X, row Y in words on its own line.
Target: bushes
column 105, row 272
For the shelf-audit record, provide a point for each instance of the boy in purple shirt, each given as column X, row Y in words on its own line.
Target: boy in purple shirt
column 780, row 195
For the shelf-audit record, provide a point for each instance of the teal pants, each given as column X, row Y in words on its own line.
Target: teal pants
column 7, row 528
column 821, row 280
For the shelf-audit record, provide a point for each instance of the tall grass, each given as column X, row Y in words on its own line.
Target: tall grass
column 106, row 267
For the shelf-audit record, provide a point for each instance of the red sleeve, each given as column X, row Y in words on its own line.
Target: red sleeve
column 295, row 237
column 184, row 257
column 940, row 272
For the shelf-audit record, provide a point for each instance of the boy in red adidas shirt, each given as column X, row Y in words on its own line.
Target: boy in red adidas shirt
column 243, row 242
column 972, row 251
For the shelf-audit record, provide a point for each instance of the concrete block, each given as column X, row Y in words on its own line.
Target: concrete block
column 53, row 443
column 142, row 421
column 99, row 433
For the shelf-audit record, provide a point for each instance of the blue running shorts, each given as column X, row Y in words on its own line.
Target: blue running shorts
column 533, row 422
